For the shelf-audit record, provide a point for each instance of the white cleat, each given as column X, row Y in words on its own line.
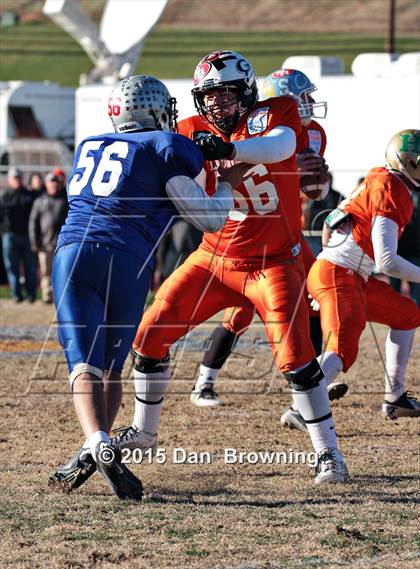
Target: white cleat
column 337, row 390
column 131, row 438
column 205, row 396
column 331, row 467
column 405, row 406
column 293, row 419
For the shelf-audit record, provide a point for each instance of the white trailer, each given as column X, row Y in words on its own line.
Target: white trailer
column 363, row 114
column 39, row 113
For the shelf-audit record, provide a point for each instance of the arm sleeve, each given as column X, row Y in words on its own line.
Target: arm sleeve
column 185, row 184
column 206, row 213
column 385, row 244
column 276, row 146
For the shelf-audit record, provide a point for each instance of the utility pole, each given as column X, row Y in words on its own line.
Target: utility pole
column 390, row 42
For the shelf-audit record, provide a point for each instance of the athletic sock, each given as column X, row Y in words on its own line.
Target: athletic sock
column 331, row 366
column 322, row 434
column 150, row 392
column 93, row 440
column 314, row 406
column 207, row 375
column 397, row 349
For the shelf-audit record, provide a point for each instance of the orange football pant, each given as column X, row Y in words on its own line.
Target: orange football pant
column 238, row 319
column 206, row 284
column 347, row 303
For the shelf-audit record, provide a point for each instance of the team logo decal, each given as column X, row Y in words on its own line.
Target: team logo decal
column 201, row 71
column 219, row 55
column 243, row 66
column 315, row 141
column 410, row 143
column 257, row 121
column 281, row 73
column 114, row 106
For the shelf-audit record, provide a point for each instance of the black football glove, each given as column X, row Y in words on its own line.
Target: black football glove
column 213, row 147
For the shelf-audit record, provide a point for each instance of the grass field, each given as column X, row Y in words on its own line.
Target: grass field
column 40, row 51
column 213, row 516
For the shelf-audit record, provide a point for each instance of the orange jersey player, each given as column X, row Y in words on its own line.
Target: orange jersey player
column 262, row 198
column 310, row 148
column 255, row 259
column 365, row 232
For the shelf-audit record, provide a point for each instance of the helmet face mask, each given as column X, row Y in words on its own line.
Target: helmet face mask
column 142, row 102
column 309, row 109
column 224, row 71
column 403, row 155
column 220, row 107
column 296, row 84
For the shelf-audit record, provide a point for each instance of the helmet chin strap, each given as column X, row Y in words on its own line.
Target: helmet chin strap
column 231, row 123
column 226, row 125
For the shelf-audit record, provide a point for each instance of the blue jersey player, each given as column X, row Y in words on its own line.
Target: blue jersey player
column 124, row 191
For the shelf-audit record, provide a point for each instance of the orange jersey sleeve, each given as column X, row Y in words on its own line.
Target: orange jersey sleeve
column 312, row 136
column 265, row 221
column 382, row 193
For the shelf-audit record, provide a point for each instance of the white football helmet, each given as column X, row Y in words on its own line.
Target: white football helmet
column 227, row 70
column 296, row 84
column 142, row 102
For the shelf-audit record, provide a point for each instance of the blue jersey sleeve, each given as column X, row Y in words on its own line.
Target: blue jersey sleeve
column 180, row 158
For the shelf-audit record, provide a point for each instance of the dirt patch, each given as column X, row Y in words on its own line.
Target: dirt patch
column 210, row 515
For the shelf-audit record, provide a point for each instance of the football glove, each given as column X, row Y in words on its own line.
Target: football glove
column 314, row 303
column 213, row 147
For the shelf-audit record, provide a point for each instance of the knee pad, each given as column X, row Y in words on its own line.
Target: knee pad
column 305, row 379
column 144, row 364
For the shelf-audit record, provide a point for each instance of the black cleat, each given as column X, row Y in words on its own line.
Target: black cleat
column 74, row 473
column 337, row 390
column 406, row 406
column 123, row 483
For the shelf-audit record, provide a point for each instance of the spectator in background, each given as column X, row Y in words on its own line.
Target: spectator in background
column 409, row 248
column 60, row 174
column 15, row 207
column 36, row 184
column 174, row 248
column 47, row 216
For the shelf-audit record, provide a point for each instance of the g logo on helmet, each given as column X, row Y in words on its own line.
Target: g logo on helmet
column 243, row 66
column 201, row 71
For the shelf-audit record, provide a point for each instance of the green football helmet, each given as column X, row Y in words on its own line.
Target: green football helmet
column 403, row 154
